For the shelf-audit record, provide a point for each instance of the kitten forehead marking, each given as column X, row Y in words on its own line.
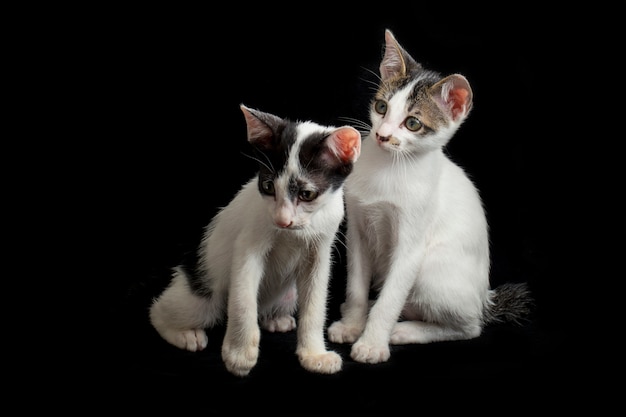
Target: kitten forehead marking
column 292, row 176
column 303, row 132
column 414, row 98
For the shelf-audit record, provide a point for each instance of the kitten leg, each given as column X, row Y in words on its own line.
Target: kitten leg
column 312, row 291
column 240, row 348
column 411, row 331
column 354, row 309
column 180, row 316
column 373, row 344
column 281, row 317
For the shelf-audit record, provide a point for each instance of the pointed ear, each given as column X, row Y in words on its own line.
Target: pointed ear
column 262, row 127
column 344, row 145
column 453, row 95
column 396, row 61
column 392, row 63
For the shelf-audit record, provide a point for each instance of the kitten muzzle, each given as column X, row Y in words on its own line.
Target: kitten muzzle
column 392, row 140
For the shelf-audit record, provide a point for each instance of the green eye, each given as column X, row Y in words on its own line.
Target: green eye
column 380, row 106
column 268, row 187
column 307, row 195
column 412, row 124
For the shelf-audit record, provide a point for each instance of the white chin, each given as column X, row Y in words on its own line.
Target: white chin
column 386, row 146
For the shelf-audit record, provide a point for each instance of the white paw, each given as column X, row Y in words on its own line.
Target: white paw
column 325, row 363
column 339, row 332
column 240, row 357
column 369, row 353
column 404, row 333
column 279, row 324
column 193, row 340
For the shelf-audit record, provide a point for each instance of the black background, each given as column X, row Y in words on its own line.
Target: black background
column 162, row 143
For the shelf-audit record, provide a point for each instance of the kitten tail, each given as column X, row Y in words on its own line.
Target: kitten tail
column 511, row 302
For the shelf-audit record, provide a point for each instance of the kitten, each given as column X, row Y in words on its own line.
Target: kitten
column 416, row 230
column 268, row 253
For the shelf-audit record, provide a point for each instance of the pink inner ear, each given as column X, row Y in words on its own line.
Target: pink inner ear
column 348, row 143
column 259, row 133
column 458, row 99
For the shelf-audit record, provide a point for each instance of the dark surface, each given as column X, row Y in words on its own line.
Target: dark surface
column 169, row 151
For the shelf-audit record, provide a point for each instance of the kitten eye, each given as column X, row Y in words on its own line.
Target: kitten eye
column 412, row 124
column 307, row 195
column 268, row 187
column 380, row 106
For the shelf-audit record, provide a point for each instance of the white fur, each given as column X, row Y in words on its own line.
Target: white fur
column 416, row 229
column 263, row 258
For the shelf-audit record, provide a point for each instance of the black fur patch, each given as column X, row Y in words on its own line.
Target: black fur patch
column 324, row 176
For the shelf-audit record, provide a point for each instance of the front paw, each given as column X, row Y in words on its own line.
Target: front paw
column 340, row 332
column 325, row 363
column 239, row 357
column 370, row 353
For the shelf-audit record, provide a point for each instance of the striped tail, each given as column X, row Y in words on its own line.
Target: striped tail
column 510, row 302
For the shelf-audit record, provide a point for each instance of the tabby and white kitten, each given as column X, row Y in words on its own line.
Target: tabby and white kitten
column 268, row 253
column 416, row 230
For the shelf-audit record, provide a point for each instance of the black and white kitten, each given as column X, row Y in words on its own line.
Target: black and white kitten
column 268, row 253
column 416, row 229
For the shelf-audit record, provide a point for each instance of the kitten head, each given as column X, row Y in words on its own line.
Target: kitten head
column 302, row 164
column 416, row 110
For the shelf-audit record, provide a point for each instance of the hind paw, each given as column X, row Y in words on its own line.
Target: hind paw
column 279, row 324
column 193, row 340
column 339, row 332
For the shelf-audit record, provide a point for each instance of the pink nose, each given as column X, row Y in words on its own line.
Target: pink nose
column 284, row 224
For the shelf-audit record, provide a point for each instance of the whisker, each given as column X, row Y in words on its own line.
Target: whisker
column 356, row 122
column 340, row 241
column 375, row 74
column 363, row 127
column 254, row 158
